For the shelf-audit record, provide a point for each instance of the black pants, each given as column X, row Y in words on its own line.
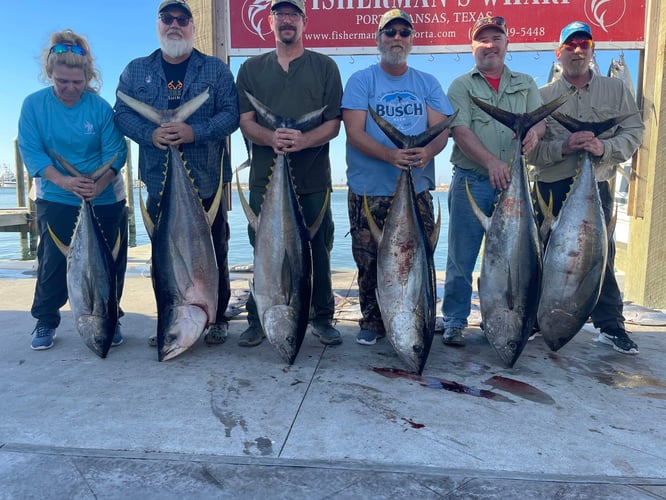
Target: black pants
column 608, row 311
column 51, row 287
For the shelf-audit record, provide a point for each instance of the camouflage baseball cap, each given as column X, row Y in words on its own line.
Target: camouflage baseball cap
column 181, row 4
column 392, row 15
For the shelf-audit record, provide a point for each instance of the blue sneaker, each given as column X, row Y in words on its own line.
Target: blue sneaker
column 42, row 338
column 117, row 337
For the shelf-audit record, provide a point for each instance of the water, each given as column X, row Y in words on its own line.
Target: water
column 240, row 251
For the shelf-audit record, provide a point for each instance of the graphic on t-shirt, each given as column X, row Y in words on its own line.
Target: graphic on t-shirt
column 175, row 90
column 402, row 109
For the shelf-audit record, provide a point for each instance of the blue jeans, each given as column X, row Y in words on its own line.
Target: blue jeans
column 465, row 237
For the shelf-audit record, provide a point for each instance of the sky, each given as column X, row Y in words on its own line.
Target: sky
column 130, row 32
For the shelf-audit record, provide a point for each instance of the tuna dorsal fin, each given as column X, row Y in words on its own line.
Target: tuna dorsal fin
column 573, row 125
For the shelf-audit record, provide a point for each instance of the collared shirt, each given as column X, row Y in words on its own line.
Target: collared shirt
column 144, row 80
column 518, row 93
column 602, row 98
column 312, row 82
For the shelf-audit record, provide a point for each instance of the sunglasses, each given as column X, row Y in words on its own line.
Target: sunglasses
column 578, row 44
column 497, row 21
column 61, row 48
column 404, row 33
column 168, row 19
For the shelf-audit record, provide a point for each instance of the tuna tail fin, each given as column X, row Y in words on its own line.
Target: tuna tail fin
column 573, row 125
column 403, row 141
column 74, row 172
column 520, row 123
column 276, row 121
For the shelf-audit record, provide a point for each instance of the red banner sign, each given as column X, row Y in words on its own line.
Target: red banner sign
column 344, row 27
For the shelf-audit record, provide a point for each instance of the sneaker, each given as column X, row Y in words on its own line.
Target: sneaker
column 117, row 337
column 453, row 335
column 251, row 337
column 216, row 334
column 327, row 334
column 42, row 338
column 366, row 337
column 618, row 338
column 152, row 340
column 536, row 332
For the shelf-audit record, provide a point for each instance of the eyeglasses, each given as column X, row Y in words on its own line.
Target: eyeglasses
column 575, row 44
column 281, row 16
column 61, row 48
column 168, row 19
column 404, row 33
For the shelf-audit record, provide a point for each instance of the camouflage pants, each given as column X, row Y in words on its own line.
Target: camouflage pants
column 364, row 248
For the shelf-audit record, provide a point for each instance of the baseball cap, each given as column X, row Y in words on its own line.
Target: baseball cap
column 182, row 4
column 488, row 22
column 299, row 4
column 392, row 15
column 572, row 28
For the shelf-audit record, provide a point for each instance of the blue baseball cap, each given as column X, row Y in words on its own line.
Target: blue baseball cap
column 573, row 28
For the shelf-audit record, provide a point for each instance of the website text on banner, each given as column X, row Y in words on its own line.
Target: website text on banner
column 348, row 26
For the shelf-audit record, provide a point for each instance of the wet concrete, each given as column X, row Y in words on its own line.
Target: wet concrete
column 341, row 422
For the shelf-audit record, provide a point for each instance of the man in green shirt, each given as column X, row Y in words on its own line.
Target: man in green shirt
column 556, row 157
column 293, row 81
column 483, row 147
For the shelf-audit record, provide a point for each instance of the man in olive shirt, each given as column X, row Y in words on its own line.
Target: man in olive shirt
column 293, row 81
column 556, row 157
column 483, row 147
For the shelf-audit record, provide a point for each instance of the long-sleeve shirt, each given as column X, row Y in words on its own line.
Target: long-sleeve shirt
column 600, row 99
column 518, row 93
column 144, row 80
column 83, row 134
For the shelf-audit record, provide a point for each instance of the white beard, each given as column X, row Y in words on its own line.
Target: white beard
column 176, row 48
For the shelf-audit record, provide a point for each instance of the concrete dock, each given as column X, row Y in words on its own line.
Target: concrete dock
column 341, row 422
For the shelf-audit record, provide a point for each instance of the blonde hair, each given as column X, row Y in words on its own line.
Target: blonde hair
column 70, row 59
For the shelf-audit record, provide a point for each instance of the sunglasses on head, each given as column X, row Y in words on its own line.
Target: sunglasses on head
column 404, row 33
column 61, row 48
column 168, row 19
column 574, row 44
column 497, row 20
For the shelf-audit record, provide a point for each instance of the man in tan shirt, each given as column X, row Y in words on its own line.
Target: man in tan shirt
column 556, row 157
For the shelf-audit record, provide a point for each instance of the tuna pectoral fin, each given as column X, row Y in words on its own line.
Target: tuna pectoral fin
column 187, row 327
column 312, row 230
column 148, row 223
column 372, row 225
column 434, row 237
column 509, row 290
column 215, row 206
column 287, row 278
column 483, row 218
